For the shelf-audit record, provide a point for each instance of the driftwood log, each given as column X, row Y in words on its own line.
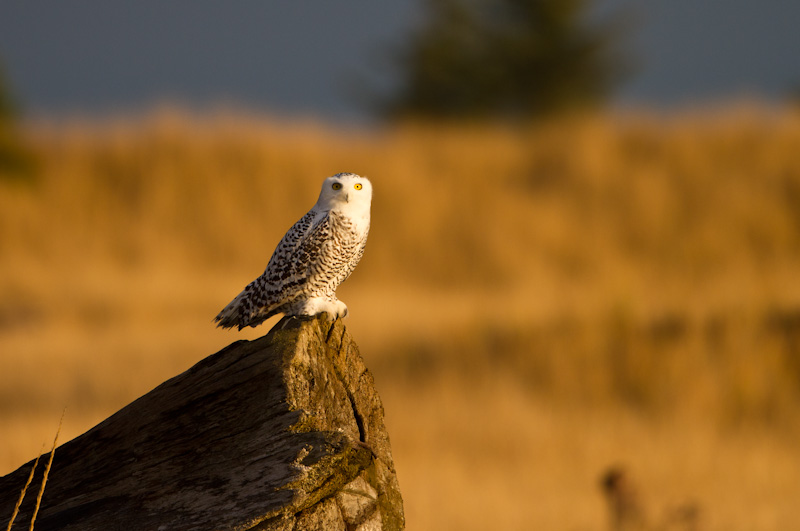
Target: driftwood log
column 282, row 433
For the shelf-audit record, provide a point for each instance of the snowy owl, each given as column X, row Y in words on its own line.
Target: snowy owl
column 316, row 255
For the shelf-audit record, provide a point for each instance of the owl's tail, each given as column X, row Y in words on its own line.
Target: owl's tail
column 231, row 315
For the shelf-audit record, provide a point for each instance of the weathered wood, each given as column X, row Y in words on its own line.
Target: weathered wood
column 282, row 433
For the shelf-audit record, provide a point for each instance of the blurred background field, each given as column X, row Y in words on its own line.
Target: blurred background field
column 537, row 303
column 583, row 262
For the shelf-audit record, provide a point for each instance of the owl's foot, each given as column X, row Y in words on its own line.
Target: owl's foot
column 339, row 310
column 317, row 305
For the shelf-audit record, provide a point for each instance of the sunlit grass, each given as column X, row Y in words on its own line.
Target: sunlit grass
column 591, row 290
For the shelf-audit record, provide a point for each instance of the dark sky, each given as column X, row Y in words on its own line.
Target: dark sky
column 697, row 51
column 313, row 57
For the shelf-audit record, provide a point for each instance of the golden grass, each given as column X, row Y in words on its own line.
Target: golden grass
column 41, row 486
column 537, row 303
column 22, row 493
column 46, row 473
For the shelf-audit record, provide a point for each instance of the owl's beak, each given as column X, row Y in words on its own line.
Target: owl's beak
column 346, row 198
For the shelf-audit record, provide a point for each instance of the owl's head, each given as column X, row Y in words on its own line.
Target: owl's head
column 346, row 192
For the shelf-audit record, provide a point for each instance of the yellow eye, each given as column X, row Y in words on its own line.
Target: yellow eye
column 336, row 186
column 357, row 186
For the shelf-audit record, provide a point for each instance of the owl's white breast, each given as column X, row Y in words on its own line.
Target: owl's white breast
column 357, row 213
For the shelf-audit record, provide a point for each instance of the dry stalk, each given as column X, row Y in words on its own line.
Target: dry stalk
column 24, row 490
column 46, row 472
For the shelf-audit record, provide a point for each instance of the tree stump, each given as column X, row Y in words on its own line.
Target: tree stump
column 282, row 433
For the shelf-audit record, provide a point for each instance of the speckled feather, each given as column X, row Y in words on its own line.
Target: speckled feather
column 314, row 257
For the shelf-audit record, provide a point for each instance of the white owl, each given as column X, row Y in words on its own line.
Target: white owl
column 316, row 255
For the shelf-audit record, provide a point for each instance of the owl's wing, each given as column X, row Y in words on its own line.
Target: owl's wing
column 289, row 245
column 294, row 267
column 285, row 275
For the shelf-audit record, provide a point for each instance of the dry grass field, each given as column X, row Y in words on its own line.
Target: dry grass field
column 537, row 303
